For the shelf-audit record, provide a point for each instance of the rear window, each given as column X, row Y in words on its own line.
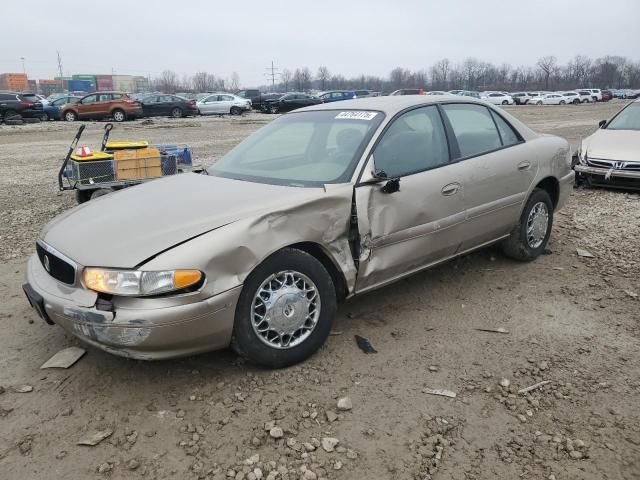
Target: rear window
column 7, row 96
column 30, row 97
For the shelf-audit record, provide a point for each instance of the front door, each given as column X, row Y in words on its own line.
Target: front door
column 405, row 230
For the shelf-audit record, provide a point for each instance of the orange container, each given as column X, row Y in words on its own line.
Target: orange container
column 138, row 164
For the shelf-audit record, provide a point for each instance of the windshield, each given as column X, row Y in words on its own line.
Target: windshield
column 627, row 119
column 304, row 149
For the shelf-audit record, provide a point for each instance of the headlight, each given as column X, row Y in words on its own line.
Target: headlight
column 136, row 283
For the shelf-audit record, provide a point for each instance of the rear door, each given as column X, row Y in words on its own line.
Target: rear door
column 209, row 104
column 420, row 224
column 499, row 168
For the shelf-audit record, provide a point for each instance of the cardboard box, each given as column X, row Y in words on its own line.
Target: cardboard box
column 138, row 164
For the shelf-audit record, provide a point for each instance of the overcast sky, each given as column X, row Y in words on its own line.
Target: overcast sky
column 144, row 37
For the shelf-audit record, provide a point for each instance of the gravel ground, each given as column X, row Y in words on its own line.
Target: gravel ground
column 570, row 321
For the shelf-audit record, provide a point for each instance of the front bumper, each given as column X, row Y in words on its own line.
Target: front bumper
column 605, row 177
column 153, row 331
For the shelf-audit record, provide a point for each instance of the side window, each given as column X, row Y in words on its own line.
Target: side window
column 508, row 135
column 414, row 142
column 473, row 127
column 116, row 96
column 89, row 99
column 226, row 98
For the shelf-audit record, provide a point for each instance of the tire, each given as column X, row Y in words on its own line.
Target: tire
column 505, row 102
column 177, row 113
column 273, row 109
column 520, row 245
column 562, row 102
column 10, row 113
column 83, row 196
column 100, row 192
column 576, row 102
column 538, row 103
column 271, row 348
column 44, row 117
column 69, row 116
column 235, row 111
column 118, row 115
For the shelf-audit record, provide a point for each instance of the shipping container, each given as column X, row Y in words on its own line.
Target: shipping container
column 86, row 78
column 79, row 86
column 16, row 82
column 104, row 83
column 124, row 83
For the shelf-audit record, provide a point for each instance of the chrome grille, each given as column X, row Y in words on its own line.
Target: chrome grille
column 615, row 164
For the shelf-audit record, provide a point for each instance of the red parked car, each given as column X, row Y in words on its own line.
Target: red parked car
column 607, row 95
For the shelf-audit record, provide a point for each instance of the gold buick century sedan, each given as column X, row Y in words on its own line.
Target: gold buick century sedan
column 322, row 204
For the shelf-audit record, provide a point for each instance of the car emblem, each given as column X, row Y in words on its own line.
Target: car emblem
column 47, row 265
column 619, row 165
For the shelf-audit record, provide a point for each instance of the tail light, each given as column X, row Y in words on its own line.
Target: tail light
column 26, row 104
column 191, row 102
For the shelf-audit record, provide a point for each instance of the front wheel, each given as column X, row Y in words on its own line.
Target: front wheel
column 273, row 109
column 529, row 237
column 576, row 101
column 562, row 102
column 70, row 116
column 176, row 113
column 505, row 102
column 285, row 310
column 118, row 115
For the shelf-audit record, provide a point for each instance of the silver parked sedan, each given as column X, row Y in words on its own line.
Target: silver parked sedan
column 222, row 103
column 322, row 204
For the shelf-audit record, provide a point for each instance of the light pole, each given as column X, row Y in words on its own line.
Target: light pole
column 23, row 69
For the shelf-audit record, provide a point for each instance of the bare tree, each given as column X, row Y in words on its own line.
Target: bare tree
column 398, row 77
column 285, row 79
column 167, row 82
column 440, row 74
column 547, row 65
column 306, row 78
column 203, row 82
column 234, row 83
column 323, row 76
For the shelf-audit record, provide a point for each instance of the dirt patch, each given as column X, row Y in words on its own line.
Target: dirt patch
column 572, row 321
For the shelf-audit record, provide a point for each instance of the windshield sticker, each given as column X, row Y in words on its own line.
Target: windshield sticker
column 354, row 115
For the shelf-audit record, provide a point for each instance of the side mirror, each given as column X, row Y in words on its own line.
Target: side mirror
column 392, row 186
column 602, row 123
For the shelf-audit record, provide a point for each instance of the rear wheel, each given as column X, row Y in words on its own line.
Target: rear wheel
column 177, row 113
column 235, row 111
column 576, row 101
column 9, row 114
column 70, row 116
column 118, row 115
column 273, row 109
column 529, row 237
column 285, row 310
column 100, row 192
column 505, row 102
column 562, row 102
column 83, row 196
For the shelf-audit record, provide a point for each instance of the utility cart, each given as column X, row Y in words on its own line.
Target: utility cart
column 119, row 165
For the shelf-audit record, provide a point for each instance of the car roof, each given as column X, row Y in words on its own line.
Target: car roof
column 391, row 105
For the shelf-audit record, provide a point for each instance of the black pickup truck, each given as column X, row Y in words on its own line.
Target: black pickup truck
column 257, row 97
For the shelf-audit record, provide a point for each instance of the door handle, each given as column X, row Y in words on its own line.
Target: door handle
column 524, row 165
column 450, row 189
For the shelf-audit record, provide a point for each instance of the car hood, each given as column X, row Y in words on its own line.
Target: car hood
column 125, row 228
column 623, row 145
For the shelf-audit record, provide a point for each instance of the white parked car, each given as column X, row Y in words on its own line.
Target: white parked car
column 596, row 94
column 572, row 97
column 521, row 98
column 609, row 157
column 221, row 103
column 549, row 99
column 585, row 96
column 497, row 98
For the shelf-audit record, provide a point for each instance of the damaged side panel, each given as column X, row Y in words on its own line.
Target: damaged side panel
column 229, row 254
